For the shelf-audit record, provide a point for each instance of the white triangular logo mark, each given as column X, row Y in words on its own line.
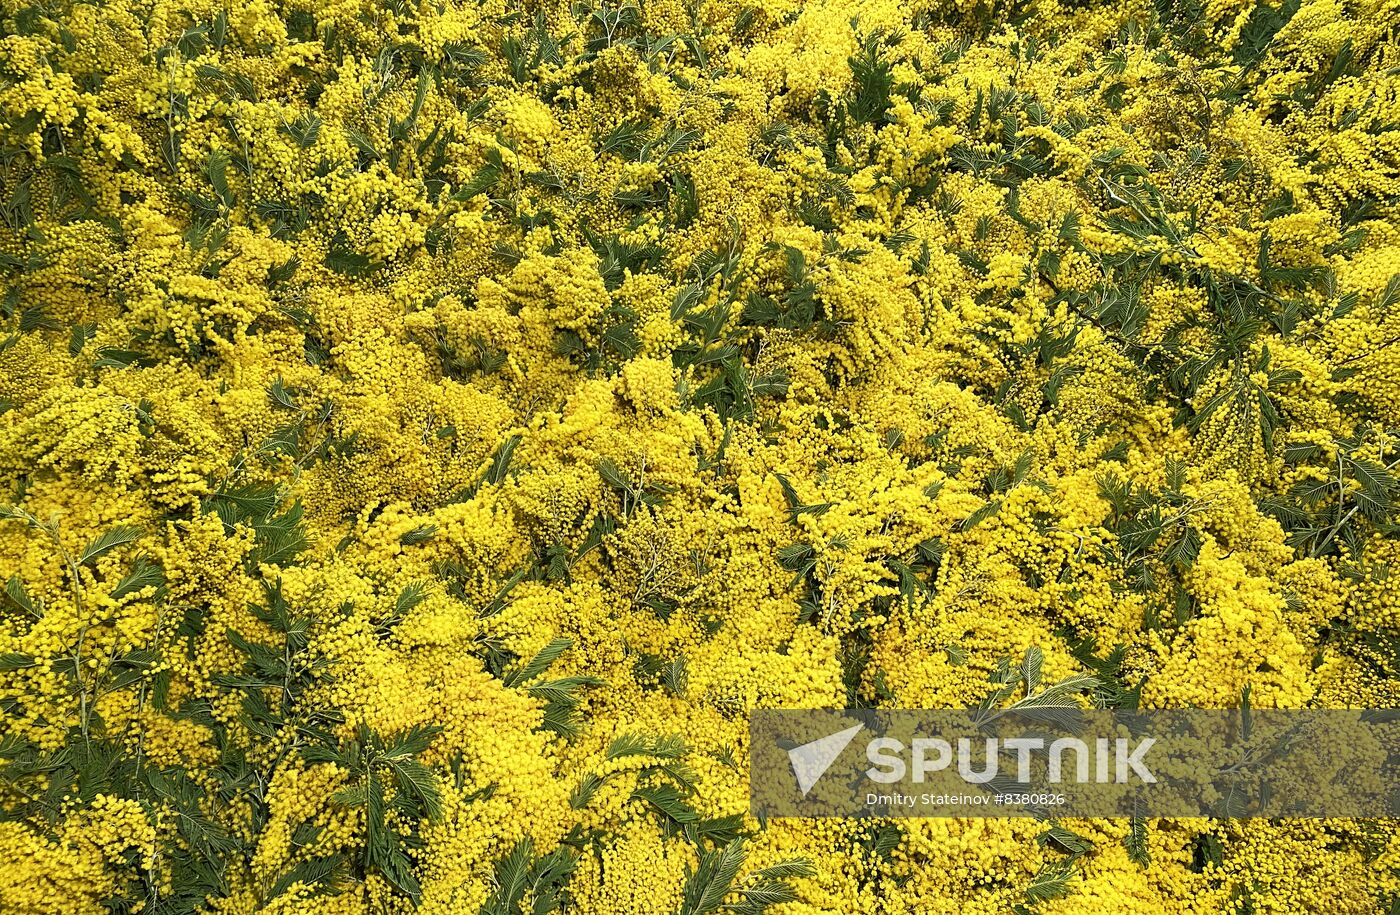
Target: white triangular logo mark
column 811, row 760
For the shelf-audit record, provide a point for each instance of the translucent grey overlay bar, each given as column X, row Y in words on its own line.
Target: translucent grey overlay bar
column 1053, row 762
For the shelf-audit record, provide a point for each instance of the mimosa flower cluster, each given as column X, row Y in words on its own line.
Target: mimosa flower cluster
column 429, row 429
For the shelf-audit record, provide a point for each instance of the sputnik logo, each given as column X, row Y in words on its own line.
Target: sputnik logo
column 811, row 760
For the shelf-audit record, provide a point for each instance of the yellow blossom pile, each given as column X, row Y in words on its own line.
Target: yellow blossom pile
column 429, row 429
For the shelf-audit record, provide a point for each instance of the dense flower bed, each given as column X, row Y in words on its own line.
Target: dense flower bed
column 427, row 430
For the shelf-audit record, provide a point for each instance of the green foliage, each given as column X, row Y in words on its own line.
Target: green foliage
column 111, row 540
column 531, row 884
column 1064, row 840
column 716, row 878
column 1352, row 494
column 561, row 696
column 373, row 763
column 277, row 674
column 1058, row 704
column 1136, row 842
column 874, row 79
column 1051, row 882
column 17, row 596
column 1155, row 530
column 1113, row 690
